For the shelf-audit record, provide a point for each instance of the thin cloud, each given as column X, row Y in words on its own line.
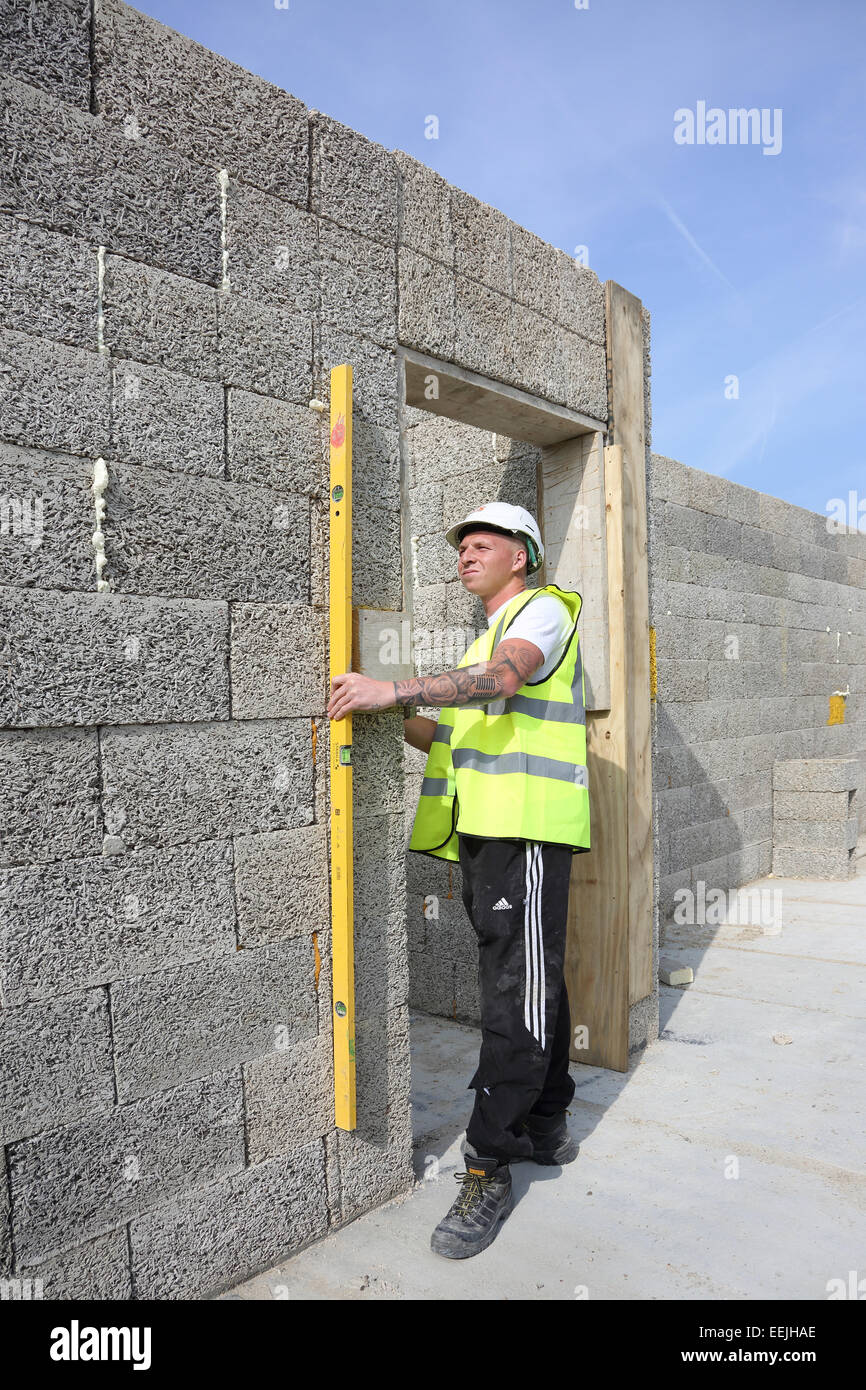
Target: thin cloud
column 684, row 232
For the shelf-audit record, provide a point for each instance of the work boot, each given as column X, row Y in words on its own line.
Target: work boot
column 551, row 1141
column 472, row 1221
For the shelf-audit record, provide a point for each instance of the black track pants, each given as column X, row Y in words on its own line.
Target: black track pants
column 516, row 895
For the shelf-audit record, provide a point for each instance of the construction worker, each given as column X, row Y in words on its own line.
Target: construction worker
column 505, row 794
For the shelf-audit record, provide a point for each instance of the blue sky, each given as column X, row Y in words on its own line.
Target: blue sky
column 751, row 264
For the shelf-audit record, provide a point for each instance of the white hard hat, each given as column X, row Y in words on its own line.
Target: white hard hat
column 516, row 521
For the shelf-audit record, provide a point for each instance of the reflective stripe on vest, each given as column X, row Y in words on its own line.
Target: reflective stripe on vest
column 534, row 743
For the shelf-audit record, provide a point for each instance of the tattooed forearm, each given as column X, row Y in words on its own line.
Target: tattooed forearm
column 512, row 663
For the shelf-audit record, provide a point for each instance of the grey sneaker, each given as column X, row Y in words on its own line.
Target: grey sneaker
column 551, row 1141
column 472, row 1221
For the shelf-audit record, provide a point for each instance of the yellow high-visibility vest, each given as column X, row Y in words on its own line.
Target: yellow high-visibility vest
column 512, row 769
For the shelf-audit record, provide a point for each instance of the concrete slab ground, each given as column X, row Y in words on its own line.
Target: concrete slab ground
column 728, row 1163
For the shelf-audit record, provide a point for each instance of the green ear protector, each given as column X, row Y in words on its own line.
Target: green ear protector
column 531, row 547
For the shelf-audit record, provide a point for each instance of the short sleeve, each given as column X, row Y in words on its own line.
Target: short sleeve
column 546, row 622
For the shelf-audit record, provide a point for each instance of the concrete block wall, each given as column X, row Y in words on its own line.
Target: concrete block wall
column 760, row 617
column 186, row 250
column 816, row 817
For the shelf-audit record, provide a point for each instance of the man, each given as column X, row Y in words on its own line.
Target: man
column 505, row 792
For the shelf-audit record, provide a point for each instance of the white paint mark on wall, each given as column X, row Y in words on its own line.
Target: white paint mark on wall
column 99, row 485
column 100, row 300
column 413, row 543
column 223, row 176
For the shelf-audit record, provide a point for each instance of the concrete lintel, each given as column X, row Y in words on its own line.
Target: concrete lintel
column 490, row 405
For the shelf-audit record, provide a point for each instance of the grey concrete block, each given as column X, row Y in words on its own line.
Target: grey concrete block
column 381, row 960
column 375, row 385
column 538, row 360
column 93, row 921
column 222, row 1013
column 377, row 558
column 812, row 805
column 669, row 479
column 170, row 91
column 57, row 1063
column 682, row 680
column 674, row 808
column 277, row 660
column 712, row 840
column 289, row 1098
column 581, row 375
column 222, row 1234
column 581, row 300
column 153, row 316
column 684, row 527
column 813, row 863
column 54, row 396
column 726, row 680
column 815, row 834
column 98, row 1269
column 425, row 210
column 100, row 658
column 48, row 284
column 82, row 177
column 319, row 553
column 467, row 1006
column 439, row 448
column 482, row 327
column 535, row 274
column 743, row 504
column 450, row 934
column 46, row 520
column 176, row 784
column 724, row 536
column 164, row 419
column 786, row 519
column 50, row 806
column 714, row 873
column 674, row 723
column 358, row 284
column 378, row 763
column 275, row 444
column 282, row 884
column 379, row 867
column 376, row 1157
column 426, row 874
column 434, row 560
column 671, row 888
column 432, row 983
column 5, row 1221
column 426, row 297
column 816, row 775
column 48, row 45
column 265, row 348
column 708, row 492
column 355, row 181
column 675, row 562
column 273, row 256
column 376, row 466
column 482, row 241
column 180, row 536
column 83, row 1180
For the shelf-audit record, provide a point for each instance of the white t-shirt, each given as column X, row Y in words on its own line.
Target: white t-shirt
column 544, row 620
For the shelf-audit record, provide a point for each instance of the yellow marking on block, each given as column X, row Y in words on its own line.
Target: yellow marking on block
column 318, row 957
column 837, row 709
column 653, row 670
column 342, row 882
